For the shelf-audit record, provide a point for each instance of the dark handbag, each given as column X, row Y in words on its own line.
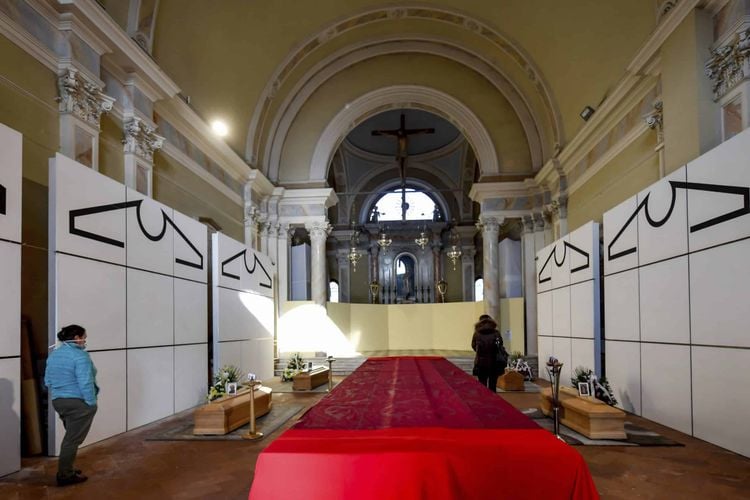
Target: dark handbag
column 501, row 356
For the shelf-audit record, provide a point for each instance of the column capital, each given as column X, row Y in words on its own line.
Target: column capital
column 489, row 225
column 141, row 139
column 528, row 224
column 81, row 97
column 318, row 229
column 539, row 221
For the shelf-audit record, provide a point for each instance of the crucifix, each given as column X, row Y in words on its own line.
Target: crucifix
column 402, row 136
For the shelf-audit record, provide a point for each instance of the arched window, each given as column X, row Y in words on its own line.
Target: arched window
column 479, row 290
column 333, row 291
column 419, row 206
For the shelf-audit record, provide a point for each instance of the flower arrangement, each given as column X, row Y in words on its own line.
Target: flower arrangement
column 601, row 389
column 518, row 364
column 227, row 373
column 296, row 364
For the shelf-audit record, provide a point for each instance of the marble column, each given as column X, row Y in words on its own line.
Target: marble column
column 318, row 234
column 279, row 253
column 490, row 227
column 467, row 273
column 562, row 215
column 342, row 261
column 375, row 272
column 529, row 282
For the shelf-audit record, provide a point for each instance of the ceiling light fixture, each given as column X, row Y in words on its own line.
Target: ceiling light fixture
column 219, row 128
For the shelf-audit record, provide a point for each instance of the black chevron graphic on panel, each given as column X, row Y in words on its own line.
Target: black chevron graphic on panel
column 553, row 253
column 675, row 185
column 256, row 263
column 3, row 208
column 82, row 212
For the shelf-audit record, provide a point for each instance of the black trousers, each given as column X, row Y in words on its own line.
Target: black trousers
column 488, row 378
column 76, row 417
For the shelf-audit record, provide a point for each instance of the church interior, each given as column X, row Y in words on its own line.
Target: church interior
column 279, row 223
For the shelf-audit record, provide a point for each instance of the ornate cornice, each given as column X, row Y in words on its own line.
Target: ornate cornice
column 82, row 98
column 729, row 64
column 141, row 139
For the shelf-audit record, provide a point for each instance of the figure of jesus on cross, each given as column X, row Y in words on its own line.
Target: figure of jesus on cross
column 402, row 136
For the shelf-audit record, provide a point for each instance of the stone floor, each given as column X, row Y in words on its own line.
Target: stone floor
column 127, row 466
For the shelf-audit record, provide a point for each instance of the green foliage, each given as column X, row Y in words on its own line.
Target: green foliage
column 602, row 390
column 226, row 374
column 296, row 364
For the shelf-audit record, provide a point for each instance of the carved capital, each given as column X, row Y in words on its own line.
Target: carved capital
column 141, row 140
column 528, row 224
column 490, row 225
column 539, row 222
column 318, row 230
column 729, row 64
column 82, row 98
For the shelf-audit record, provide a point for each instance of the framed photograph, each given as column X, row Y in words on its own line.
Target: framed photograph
column 583, row 389
column 231, row 388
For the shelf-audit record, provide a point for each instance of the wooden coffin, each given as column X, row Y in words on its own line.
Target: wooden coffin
column 591, row 417
column 228, row 413
column 306, row 381
column 511, row 381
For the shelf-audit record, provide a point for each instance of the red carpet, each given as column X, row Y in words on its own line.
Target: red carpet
column 411, row 427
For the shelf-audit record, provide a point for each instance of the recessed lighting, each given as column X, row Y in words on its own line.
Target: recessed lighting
column 219, row 128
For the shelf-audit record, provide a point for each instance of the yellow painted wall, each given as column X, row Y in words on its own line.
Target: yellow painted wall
column 691, row 120
column 179, row 188
column 369, row 327
column 512, row 318
column 634, row 169
column 27, row 104
column 111, row 157
column 376, row 327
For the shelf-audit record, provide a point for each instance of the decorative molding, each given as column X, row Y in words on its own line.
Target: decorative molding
column 187, row 122
column 664, row 8
column 417, row 12
column 141, row 139
column 655, row 118
column 327, row 68
column 125, row 51
column 81, row 98
column 434, row 100
column 729, row 64
column 27, row 42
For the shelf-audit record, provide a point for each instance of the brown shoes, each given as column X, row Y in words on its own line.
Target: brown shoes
column 74, row 479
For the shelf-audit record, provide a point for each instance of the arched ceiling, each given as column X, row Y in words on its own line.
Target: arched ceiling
column 267, row 67
column 444, row 132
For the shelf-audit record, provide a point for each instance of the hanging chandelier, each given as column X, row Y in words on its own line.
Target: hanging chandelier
column 423, row 240
column 384, row 240
column 454, row 253
column 354, row 256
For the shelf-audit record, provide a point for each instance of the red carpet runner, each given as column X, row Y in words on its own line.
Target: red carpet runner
column 417, row 428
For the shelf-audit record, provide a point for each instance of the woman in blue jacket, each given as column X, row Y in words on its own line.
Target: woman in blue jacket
column 71, row 378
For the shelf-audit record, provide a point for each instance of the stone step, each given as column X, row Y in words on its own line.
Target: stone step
column 345, row 366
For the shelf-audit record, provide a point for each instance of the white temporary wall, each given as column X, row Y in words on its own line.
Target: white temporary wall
column 243, row 309
column 568, row 302
column 10, row 300
column 676, row 290
column 133, row 272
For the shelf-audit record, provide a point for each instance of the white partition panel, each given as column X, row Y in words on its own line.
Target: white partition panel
column 676, row 286
column 568, row 303
column 190, row 384
column 10, row 299
column 243, row 311
column 150, row 385
column 133, row 272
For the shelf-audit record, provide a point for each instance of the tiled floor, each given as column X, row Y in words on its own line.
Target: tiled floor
column 128, row 467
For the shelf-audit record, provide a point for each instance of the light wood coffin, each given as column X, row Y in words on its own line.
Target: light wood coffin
column 306, row 381
column 511, row 381
column 587, row 415
column 228, row 413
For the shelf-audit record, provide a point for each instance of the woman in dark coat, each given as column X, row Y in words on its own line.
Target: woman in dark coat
column 484, row 343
